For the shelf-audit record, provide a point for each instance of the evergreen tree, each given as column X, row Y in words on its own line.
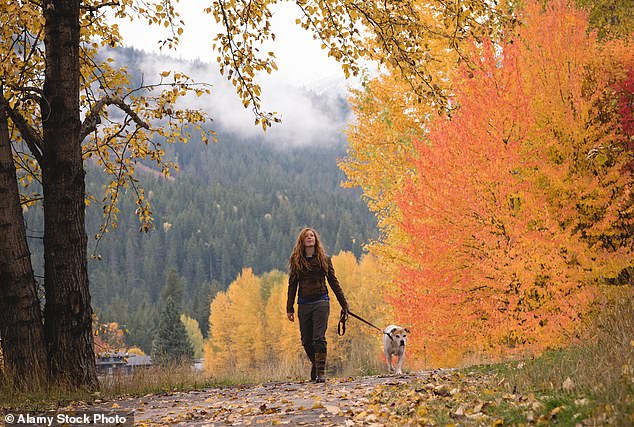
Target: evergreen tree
column 171, row 344
column 173, row 288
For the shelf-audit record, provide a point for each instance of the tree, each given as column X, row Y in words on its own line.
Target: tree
column 287, row 350
column 246, row 338
column 174, row 287
column 379, row 154
column 194, row 335
column 518, row 206
column 21, row 330
column 396, row 108
column 67, row 313
column 218, row 352
column 42, row 86
column 171, row 344
column 108, row 337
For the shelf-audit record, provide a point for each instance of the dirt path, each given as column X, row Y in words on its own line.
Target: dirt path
column 430, row 398
column 338, row 402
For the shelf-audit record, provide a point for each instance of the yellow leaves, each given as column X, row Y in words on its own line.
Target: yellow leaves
column 239, row 330
column 114, row 145
column 194, row 334
column 380, row 152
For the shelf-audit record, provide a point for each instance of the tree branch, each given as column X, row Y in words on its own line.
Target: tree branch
column 92, row 119
column 99, row 6
column 32, row 138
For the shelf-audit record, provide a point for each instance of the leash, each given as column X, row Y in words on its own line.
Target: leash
column 343, row 318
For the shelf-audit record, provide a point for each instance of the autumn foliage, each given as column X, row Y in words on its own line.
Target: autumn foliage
column 108, row 337
column 520, row 202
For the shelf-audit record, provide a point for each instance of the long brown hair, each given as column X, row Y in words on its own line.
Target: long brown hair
column 297, row 260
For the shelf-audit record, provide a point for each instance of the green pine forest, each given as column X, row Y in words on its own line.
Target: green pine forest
column 232, row 204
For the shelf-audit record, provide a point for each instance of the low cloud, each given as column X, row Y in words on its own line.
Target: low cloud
column 316, row 113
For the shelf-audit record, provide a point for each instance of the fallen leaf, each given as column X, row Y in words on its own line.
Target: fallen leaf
column 335, row 410
column 554, row 412
column 460, row 411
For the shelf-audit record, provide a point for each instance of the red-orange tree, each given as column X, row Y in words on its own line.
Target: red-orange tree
column 519, row 200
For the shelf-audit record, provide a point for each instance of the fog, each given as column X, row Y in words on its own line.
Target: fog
column 308, row 92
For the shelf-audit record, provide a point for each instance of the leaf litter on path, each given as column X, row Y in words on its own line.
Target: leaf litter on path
column 439, row 397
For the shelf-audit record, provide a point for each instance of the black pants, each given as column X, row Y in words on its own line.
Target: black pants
column 313, row 321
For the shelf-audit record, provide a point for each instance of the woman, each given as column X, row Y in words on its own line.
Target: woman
column 309, row 268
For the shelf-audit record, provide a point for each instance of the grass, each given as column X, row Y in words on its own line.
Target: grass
column 594, row 376
column 154, row 380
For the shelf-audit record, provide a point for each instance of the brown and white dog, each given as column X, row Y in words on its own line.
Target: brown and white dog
column 394, row 341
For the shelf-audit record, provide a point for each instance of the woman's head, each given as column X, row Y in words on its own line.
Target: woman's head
column 307, row 238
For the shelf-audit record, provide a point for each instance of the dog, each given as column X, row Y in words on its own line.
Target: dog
column 394, row 341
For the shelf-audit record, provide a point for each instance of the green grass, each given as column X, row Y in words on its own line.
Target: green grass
column 592, row 379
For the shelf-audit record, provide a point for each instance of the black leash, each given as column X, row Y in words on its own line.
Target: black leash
column 343, row 318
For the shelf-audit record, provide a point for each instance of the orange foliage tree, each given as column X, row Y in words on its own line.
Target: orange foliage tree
column 380, row 145
column 392, row 111
column 108, row 337
column 519, row 200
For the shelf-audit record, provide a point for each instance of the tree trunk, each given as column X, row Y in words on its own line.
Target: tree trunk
column 21, row 327
column 67, row 313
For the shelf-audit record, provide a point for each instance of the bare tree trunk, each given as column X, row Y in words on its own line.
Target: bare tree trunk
column 67, row 313
column 21, row 327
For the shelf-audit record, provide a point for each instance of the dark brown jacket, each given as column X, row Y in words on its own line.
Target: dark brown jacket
column 312, row 284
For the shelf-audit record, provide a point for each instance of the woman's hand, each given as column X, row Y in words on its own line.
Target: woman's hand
column 291, row 316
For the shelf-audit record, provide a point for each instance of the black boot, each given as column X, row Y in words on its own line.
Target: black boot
column 313, row 369
column 320, row 367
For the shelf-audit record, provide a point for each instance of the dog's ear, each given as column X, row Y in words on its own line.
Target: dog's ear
column 407, row 330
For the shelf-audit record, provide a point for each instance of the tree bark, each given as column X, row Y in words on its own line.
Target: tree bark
column 67, row 313
column 21, row 327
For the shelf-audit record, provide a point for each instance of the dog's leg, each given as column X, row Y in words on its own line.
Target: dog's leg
column 399, row 363
column 388, row 358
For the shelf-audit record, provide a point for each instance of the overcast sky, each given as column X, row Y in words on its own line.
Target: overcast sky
column 302, row 66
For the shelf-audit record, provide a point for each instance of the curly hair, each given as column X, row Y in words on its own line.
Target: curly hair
column 298, row 261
